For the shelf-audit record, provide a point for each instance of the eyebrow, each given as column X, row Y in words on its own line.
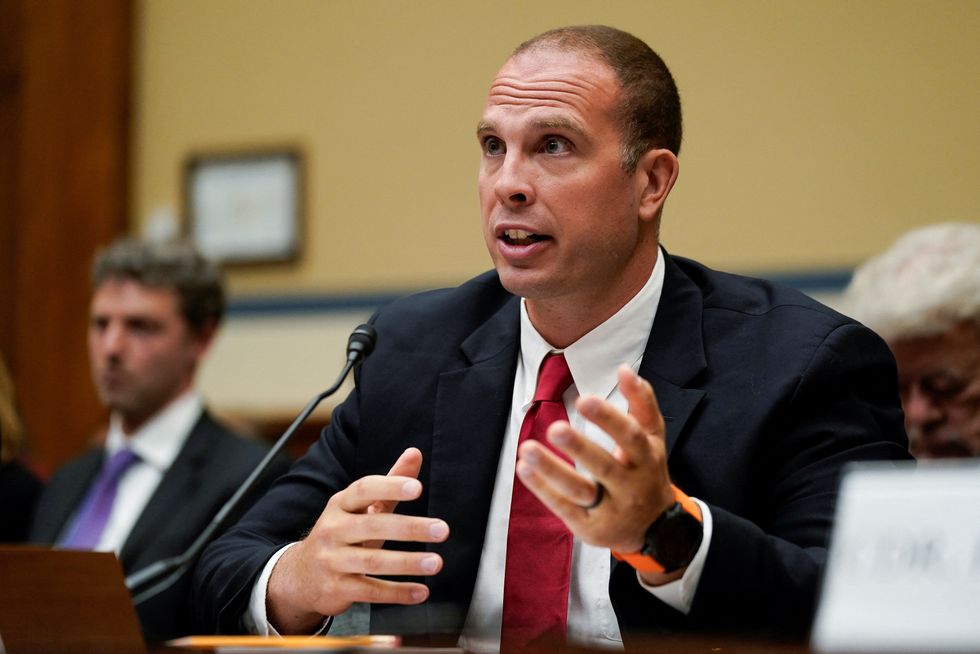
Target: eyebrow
column 485, row 126
column 557, row 123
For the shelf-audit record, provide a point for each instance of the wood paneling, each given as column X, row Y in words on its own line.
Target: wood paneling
column 9, row 147
column 67, row 107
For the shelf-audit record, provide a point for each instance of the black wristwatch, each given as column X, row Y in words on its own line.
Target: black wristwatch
column 671, row 541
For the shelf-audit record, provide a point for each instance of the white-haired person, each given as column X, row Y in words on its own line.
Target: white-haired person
column 922, row 295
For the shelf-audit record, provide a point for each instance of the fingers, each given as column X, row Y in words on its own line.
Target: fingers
column 336, row 564
column 366, row 529
column 368, row 561
column 634, row 475
column 306, row 584
column 624, row 429
column 352, row 516
column 408, row 465
column 631, row 431
column 366, row 491
column 535, row 459
column 639, row 437
column 362, row 513
column 642, row 401
column 550, row 487
column 382, row 591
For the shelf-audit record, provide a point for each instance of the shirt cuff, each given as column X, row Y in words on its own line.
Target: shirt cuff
column 256, row 619
column 679, row 594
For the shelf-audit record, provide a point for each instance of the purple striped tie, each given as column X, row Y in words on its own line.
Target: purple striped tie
column 93, row 514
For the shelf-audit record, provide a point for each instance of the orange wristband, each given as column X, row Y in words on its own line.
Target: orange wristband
column 645, row 563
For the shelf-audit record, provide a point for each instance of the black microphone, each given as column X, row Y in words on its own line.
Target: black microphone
column 157, row 577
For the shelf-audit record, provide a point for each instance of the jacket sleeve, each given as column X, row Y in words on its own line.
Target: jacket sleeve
column 227, row 570
column 765, row 560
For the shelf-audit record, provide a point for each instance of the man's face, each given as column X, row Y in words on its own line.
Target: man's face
column 560, row 215
column 939, row 380
column 141, row 350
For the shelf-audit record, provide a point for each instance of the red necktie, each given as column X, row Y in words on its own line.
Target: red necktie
column 539, row 546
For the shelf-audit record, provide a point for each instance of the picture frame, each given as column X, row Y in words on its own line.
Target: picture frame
column 245, row 207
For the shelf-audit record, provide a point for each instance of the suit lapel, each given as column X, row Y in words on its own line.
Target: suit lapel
column 675, row 351
column 471, row 413
column 178, row 486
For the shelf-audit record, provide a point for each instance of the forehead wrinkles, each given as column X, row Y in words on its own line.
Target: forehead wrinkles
column 549, row 92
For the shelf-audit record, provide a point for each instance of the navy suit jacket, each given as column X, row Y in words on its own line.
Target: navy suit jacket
column 766, row 394
column 207, row 471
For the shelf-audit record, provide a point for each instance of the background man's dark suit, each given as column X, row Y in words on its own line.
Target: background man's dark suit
column 765, row 394
column 207, row 471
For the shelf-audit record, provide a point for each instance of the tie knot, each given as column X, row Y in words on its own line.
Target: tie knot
column 553, row 379
column 118, row 463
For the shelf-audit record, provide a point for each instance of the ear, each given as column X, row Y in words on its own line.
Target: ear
column 203, row 340
column 656, row 172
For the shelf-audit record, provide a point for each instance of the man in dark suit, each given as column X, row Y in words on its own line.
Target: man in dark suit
column 155, row 310
column 696, row 453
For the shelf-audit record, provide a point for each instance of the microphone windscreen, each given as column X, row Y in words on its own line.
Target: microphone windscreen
column 361, row 342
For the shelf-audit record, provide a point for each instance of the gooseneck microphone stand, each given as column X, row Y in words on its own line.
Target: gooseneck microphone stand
column 157, row 577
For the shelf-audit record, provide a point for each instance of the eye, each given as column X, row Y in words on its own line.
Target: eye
column 555, row 145
column 493, row 146
column 143, row 326
column 943, row 386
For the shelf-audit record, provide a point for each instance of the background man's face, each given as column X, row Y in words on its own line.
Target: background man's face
column 559, row 212
column 939, row 380
column 141, row 350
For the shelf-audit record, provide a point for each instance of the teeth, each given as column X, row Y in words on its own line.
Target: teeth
column 517, row 234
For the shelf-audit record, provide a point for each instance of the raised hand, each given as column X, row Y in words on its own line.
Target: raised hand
column 634, row 477
column 334, row 566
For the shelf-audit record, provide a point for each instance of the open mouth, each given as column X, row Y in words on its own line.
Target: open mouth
column 522, row 237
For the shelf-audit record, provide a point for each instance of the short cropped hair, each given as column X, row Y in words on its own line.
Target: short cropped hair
column 925, row 284
column 650, row 108
column 175, row 265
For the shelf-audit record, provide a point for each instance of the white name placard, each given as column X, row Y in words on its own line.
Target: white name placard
column 903, row 573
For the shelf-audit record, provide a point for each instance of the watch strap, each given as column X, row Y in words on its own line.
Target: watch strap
column 645, row 563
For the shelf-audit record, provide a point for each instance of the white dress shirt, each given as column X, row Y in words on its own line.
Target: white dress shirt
column 593, row 361
column 157, row 443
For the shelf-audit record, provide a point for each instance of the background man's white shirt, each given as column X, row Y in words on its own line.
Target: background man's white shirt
column 158, row 442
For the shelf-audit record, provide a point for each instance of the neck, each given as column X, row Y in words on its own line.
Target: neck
column 563, row 320
column 131, row 424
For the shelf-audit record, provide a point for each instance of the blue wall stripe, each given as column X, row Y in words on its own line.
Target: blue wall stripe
column 811, row 281
column 275, row 305
column 278, row 305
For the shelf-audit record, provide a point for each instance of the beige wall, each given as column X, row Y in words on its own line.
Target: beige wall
column 816, row 132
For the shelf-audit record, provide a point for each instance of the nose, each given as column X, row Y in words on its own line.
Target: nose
column 921, row 410
column 111, row 339
column 513, row 185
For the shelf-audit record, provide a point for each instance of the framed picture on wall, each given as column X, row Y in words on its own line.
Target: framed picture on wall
column 245, row 207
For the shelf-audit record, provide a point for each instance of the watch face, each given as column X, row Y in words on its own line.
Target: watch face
column 674, row 538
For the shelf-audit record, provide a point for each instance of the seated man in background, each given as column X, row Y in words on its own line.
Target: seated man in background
column 596, row 439
column 922, row 296
column 167, row 466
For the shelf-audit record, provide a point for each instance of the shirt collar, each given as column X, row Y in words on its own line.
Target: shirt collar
column 594, row 358
column 159, row 440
